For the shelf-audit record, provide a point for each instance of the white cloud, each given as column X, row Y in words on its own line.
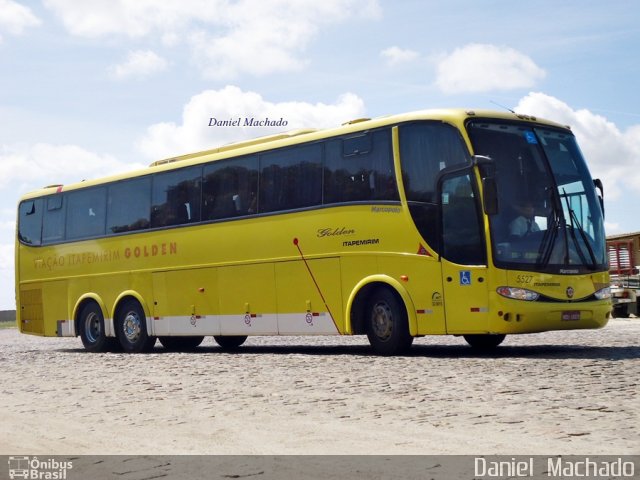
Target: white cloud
column 612, row 155
column 612, row 228
column 262, row 37
column 226, row 38
column 28, row 167
column 14, row 17
column 396, row 55
column 139, row 63
column 132, row 18
column 164, row 140
column 482, row 68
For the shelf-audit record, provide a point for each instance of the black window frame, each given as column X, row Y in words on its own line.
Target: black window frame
column 361, row 136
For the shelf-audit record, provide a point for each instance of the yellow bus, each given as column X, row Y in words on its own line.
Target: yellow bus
column 436, row 222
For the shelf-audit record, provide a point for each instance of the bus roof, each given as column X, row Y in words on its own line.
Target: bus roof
column 284, row 139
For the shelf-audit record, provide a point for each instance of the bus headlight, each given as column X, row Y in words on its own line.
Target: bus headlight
column 603, row 293
column 518, row 293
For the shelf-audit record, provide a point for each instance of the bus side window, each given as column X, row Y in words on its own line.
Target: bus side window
column 291, row 178
column 463, row 240
column 54, row 219
column 175, row 198
column 129, row 205
column 426, row 148
column 359, row 168
column 30, row 221
column 86, row 213
column 229, row 188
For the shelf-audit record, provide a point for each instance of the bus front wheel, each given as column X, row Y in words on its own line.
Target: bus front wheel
column 387, row 323
column 131, row 328
column 230, row 342
column 485, row 341
column 91, row 327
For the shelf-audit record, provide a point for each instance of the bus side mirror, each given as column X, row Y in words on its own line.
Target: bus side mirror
column 489, row 188
column 489, row 196
column 598, row 184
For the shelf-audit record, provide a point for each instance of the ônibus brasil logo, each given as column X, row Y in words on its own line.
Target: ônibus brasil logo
column 34, row 468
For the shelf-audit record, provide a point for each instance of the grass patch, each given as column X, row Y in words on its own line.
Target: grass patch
column 8, row 324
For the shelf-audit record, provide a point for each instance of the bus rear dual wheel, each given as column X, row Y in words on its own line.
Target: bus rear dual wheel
column 131, row 328
column 92, row 332
column 130, row 324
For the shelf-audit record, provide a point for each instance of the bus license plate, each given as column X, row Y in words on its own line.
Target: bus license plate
column 570, row 316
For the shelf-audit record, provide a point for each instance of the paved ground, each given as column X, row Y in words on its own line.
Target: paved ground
column 553, row 393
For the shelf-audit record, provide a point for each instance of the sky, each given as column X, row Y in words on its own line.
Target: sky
column 95, row 87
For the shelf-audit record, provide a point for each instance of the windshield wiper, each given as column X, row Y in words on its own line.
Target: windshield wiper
column 549, row 239
column 573, row 218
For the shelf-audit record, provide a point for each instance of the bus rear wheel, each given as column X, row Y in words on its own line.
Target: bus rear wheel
column 387, row 323
column 92, row 333
column 131, row 328
column 230, row 342
column 486, row 341
column 180, row 344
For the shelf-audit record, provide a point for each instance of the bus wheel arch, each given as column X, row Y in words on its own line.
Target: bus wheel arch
column 391, row 299
column 130, row 321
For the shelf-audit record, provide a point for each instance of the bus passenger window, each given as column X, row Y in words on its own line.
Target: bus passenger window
column 229, row 188
column 54, row 219
column 176, row 197
column 359, row 168
column 30, row 221
column 86, row 213
column 129, row 205
column 426, row 148
column 291, row 178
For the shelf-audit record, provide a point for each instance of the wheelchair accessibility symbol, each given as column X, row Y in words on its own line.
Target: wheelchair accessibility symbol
column 465, row 277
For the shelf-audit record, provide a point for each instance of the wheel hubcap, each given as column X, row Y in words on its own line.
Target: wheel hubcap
column 92, row 327
column 132, row 327
column 382, row 321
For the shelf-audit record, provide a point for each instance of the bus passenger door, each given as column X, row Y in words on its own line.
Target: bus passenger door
column 463, row 256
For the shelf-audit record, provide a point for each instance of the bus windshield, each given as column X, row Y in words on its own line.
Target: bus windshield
column 549, row 218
